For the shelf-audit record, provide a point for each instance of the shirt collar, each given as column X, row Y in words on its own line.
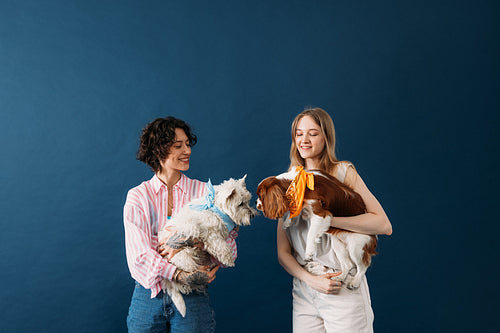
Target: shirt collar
column 158, row 184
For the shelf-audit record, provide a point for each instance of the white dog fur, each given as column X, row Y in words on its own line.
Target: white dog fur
column 232, row 198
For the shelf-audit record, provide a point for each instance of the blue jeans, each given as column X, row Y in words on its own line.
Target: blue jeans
column 159, row 314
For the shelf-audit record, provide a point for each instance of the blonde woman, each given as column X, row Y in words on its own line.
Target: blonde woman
column 321, row 304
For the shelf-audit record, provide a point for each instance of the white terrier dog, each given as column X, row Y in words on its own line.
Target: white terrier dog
column 208, row 219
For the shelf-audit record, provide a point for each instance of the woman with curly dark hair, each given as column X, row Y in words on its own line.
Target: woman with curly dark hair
column 166, row 148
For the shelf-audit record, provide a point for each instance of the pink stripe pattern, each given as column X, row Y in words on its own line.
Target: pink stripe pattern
column 144, row 214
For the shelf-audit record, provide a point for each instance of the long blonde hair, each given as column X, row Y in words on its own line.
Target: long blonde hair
column 328, row 160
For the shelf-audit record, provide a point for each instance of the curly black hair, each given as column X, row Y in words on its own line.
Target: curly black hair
column 156, row 139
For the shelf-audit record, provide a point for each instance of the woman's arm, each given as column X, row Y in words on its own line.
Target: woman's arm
column 145, row 264
column 172, row 243
column 201, row 277
column 374, row 221
column 321, row 283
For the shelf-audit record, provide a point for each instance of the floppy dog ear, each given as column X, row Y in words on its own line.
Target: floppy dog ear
column 275, row 205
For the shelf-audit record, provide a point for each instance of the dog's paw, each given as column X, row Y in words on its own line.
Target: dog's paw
column 353, row 284
column 347, row 279
column 308, row 256
column 229, row 263
column 340, row 278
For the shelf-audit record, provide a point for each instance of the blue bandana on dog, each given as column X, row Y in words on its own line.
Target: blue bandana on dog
column 209, row 204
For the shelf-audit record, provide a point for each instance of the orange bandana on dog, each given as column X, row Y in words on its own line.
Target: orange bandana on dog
column 297, row 189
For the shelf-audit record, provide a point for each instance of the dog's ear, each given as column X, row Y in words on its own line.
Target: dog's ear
column 231, row 195
column 275, row 205
column 242, row 180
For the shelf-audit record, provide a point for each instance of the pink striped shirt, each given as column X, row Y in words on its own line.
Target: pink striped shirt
column 144, row 214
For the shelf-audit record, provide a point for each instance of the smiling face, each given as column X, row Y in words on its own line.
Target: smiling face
column 310, row 141
column 178, row 154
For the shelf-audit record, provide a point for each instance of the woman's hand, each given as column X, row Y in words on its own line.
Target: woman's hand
column 324, row 284
column 197, row 278
column 175, row 242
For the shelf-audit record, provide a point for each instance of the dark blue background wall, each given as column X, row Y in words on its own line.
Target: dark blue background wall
column 413, row 87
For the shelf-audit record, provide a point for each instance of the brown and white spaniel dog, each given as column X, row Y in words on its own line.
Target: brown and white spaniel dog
column 330, row 197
